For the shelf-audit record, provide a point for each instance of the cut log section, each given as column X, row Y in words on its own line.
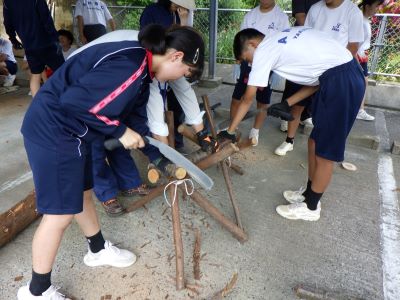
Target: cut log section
column 17, row 218
column 172, row 171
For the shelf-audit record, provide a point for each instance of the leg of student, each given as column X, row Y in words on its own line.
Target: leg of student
column 240, row 88
column 34, row 83
column 46, row 241
column 261, row 116
column 105, row 184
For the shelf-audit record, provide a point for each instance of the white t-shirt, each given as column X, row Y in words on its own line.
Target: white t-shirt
column 343, row 23
column 92, row 12
column 366, row 44
column 267, row 23
column 68, row 52
column 299, row 54
column 6, row 48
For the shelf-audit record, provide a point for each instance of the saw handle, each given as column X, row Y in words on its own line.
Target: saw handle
column 113, row 144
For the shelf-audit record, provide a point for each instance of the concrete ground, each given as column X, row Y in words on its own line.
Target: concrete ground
column 344, row 251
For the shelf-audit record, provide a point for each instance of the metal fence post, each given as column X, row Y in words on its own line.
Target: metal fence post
column 379, row 43
column 213, row 38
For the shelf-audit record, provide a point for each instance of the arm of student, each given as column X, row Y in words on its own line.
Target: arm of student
column 244, row 107
column 96, row 104
column 353, row 48
column 111, row 22
column 46, row 19
column 82, row 37
column 302, row 94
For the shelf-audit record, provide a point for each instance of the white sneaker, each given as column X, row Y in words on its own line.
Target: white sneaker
column 295, row 196
column 298, row 211
column 284, row 125
column 110, row 256
column 283, row 148
column 9, row 80
column 254, row 133
column 307, row 121
column 52, row 293
column 363, row 115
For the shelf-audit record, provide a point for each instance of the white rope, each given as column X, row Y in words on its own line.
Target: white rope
column 229, row 161
column 176, row 183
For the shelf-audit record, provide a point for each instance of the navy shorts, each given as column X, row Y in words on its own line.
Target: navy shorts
column 335, row 108
column 292, row 88
column 11, row 67
column 364, row 66
column 263, row 94
column 50, row 56
column 59, row 179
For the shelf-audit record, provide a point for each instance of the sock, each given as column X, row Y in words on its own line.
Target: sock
column 289, row 140
column 96, row 242
column 308, row 188
column 312, row 199
column 39, row 283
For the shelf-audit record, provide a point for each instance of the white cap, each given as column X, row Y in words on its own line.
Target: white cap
column 188, row 4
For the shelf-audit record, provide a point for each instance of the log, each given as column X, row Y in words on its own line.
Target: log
column 229, row 187
column 154, row 193
column 169, row 117
column 196, row 255
column 177, row 231
column 188, row 133
column 235, row 167
column 172, row 171
column 209, row 116
column 217, row 157
column 197, row 156
column 17, row 218
column 237, row 232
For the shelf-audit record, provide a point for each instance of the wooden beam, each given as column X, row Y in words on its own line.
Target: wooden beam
column 188, row 133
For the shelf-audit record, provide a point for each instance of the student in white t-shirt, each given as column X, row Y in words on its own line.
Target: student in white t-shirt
column 369, row 8
column 8, row 64
column 340, row 19
column 316, row 61
column 267, row 18
column 66, row 39
column 92, row 16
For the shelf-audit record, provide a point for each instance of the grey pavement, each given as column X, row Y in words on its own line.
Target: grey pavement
column 341, row 252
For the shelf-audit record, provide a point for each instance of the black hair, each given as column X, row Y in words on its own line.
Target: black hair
column 241, row 38
column 369, row 2
column 67, row 34
column 158, row 40
column 165, row 3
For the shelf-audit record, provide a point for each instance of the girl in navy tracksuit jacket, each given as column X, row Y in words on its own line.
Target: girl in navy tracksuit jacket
column 88, row 97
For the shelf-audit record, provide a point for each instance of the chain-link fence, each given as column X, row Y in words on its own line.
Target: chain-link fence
column 384, row 55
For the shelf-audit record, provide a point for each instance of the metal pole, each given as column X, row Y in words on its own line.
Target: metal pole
column 378, row 44
column 213, row 38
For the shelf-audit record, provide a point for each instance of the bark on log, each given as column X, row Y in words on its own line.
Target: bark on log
column 217, row 157
column 17, row 218
column 196, row 255
column 238, row 233
column 169, row 117
column 177, row 231
column 154, row 193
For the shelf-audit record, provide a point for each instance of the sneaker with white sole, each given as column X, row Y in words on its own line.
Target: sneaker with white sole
column 110, row 256
column 284, row 125
column 298, row 211
column 284, row 148
column 307, row 121
column 254, row 133
column 52, row 293
column 9, row 80
column 363, row 115
column 295, row 196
